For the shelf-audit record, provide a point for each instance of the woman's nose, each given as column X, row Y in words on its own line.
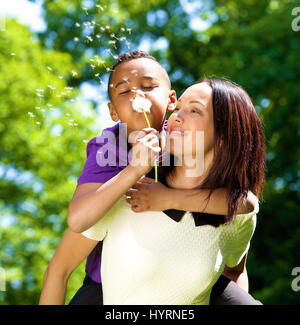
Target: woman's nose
column 178, row 117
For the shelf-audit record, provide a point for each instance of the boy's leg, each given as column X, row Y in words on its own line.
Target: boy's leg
column 90, row 293
column 227, row 292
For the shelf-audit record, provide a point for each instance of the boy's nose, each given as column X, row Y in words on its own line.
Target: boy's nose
column 137, row 92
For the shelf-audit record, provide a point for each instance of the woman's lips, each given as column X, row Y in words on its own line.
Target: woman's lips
column 176, row 131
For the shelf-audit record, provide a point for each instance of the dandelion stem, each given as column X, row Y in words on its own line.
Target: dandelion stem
column 155, row 164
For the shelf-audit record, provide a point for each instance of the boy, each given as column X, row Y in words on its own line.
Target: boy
column 99, row 188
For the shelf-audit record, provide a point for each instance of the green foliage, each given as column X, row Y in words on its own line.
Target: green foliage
column 39, row 166
column 250, row 42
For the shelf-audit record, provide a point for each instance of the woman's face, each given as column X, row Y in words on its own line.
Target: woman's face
column 194, row 113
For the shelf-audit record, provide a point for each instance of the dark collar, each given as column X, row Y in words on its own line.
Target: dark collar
column 200, row 218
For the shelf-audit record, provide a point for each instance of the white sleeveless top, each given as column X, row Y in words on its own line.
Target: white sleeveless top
column 148, row 258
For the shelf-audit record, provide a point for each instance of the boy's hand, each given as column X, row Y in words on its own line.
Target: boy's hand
column 145, row 147
column 146, row 195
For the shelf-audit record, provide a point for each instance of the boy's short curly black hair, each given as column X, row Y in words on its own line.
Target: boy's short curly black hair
column 132, row 55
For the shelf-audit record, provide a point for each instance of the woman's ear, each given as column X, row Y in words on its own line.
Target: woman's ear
column 172, row 101
column 113, row 112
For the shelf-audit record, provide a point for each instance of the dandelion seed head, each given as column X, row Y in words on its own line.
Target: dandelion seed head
column 140, row 104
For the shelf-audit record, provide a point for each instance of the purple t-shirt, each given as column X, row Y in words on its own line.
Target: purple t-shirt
column 107, row 155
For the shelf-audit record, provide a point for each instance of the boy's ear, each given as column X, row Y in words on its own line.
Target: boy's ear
column 172, row 101
column 113, row 113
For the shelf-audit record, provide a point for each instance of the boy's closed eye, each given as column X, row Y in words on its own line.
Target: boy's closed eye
column 147, row 88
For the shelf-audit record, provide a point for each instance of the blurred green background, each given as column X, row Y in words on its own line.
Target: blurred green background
column 53, row 100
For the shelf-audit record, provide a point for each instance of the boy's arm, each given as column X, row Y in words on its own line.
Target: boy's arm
column 72, row 250
column 91, row 201
column 147, row 195
column 238, row 274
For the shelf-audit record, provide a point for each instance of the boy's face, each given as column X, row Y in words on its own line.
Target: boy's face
column 146, row 77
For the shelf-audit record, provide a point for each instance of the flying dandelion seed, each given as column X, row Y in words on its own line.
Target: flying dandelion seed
column 37, row 107
column 101, row 8
column 107, row 27
column 12, row 54
column 102, row 28
column 49, row 68
column 86, row 11
column 98, row 36
column 89, row 38
column 127, row 44
column 77, row 24
column 31, row 114
column 38, row 123
column 76, row 39
column 60, row 77
column 129, row 30
column 74, row 73
column 122, row 29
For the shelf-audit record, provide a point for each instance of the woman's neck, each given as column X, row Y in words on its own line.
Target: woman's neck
column 182, row 176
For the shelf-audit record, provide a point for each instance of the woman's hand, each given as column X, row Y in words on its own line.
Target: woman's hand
column 146, row 195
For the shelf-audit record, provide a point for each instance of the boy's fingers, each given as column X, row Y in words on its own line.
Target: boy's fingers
column 148, row 130
column 137, row 187
column 138, row 208
column 146, row 180
column 132, row 192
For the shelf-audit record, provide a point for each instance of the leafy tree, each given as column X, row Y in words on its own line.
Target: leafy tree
column 42, row 149
column 249, row 42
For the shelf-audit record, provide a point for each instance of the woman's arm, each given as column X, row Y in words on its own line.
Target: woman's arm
column 72, row 250
column 147, row 195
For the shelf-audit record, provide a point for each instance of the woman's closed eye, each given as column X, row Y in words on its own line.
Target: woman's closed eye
column 196, row 111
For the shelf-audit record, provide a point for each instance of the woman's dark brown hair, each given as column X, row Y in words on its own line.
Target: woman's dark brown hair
column 239, row 151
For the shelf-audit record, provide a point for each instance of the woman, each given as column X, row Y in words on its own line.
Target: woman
column 150, row 258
